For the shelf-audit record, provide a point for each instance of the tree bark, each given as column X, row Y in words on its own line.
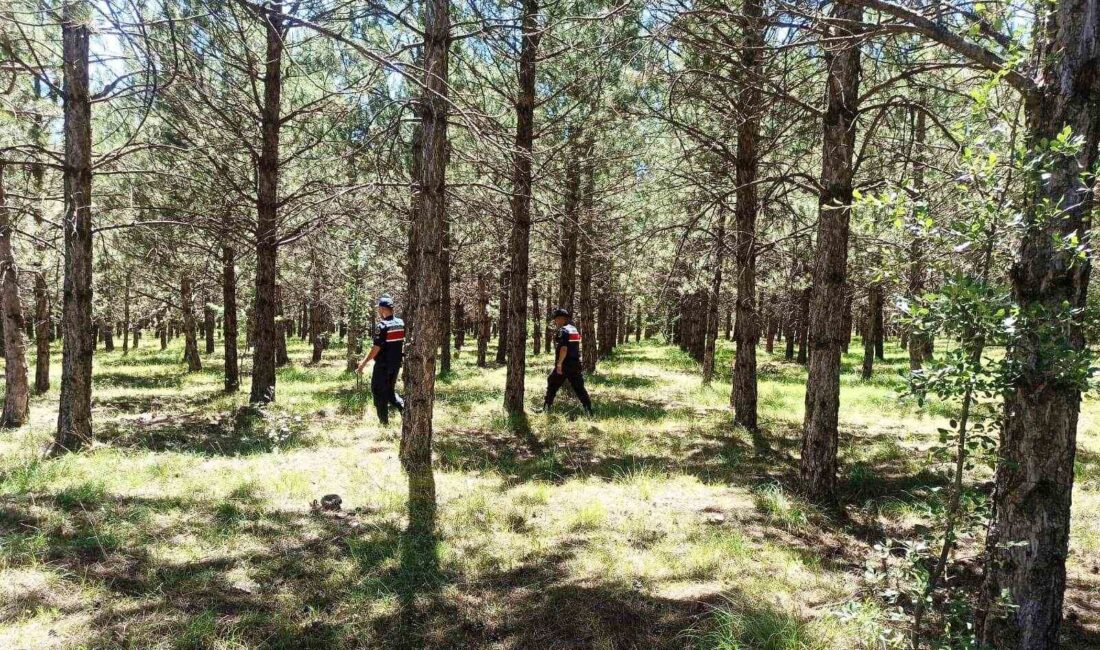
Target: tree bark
column 502, row 317
column 1028, row 537
column 74, row 418
column 208, row 326
column 318, row 325
column 282, row 358
column 127, row 326
column 536, row 338
column 231, row 370
column 916, row 244
column 17, row 394
column 267, row 220
column 747, row 328
column 570, row 225
column 715, row 293
column 482, row 321
column 42, row 326
column 818, row 463
column 445, row 324
column 426, row 235
column 521, row 210
column 874, row 328
column 190, row 333
column 586, row 311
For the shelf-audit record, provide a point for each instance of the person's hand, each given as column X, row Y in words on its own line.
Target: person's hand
column 359, row 368
column 558, row 369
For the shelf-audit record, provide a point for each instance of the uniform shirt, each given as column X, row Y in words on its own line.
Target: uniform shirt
column 389, row 334
column 569, row 338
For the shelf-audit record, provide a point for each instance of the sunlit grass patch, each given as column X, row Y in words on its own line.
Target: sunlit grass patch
column 774, row 502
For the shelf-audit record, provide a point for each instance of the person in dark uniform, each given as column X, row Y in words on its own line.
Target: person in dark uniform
column 567, row 361
column 389, row 340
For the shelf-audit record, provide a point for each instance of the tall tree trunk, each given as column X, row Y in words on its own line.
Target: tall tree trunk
column 208, row 326
column 445, row 324
column 17, row 394
column 521, row 210
column 874, row 328
column 426, row 237
column 587, row 311
column 232, row 371
column 74, row 418
column 318, row 326
column 126, row 324
column 108, row 335
column 190, row 329
column 715, row 293
column 482, row 321
column 267, row 219
column 818, row 463
column 282, row 358
column 42, row 326
column 1029, row 534
column 548, row 332
column 916, row 244
column 570, row 225
column 459, row 326
column 536, row 334
column 502, row 317
column 747, row 328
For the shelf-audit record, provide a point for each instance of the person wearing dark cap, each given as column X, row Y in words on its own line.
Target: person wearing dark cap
column 567, row 361
column 389, row 340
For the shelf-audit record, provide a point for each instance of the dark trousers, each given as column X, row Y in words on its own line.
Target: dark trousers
column 383, row 387
column 573, row 373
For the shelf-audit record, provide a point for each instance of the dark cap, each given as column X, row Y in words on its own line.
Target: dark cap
column 385, row 301
column 559, row 312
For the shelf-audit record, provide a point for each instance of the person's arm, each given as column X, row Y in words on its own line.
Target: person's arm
column 562, row 351
column 379, row 339
column 375, row 349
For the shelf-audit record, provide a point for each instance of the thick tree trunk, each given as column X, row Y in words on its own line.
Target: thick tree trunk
column 747, row 329
column 190, row 329
column 521, row 210
column 715, row 293
column 231, row 370
column 426, row 236
column 267, row 220
column 74, row 419
column 482, row 321
column 17, row 392
column 818, row 463
column 1029, row 534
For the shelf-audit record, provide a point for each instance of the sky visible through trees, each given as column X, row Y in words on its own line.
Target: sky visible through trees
column 771, row 188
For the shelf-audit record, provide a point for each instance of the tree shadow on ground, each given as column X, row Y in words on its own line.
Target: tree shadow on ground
column 300, row 579
column 242, row 432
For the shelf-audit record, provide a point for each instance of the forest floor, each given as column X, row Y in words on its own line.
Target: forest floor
column 653, row 524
